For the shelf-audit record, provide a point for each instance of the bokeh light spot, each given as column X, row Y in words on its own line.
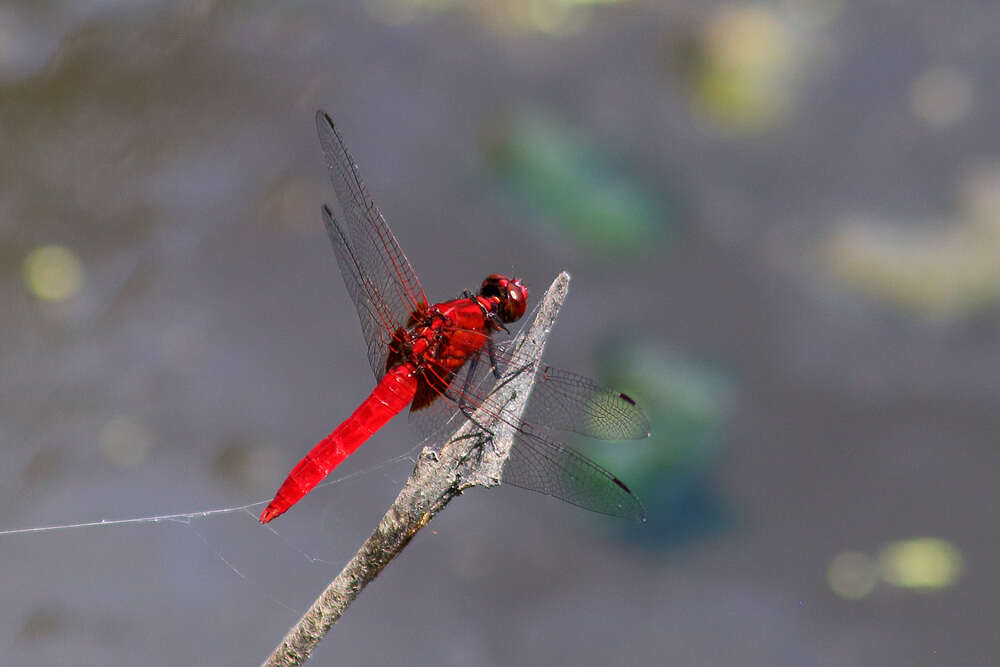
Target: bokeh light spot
column 246, row 464
column 852, row 575
column 125, row 442
column 921, row 563
column 748, row 63
column 979, row 196
column 52, row 273
column 941, row 96
column 44, row 624
column 43, row 466
column 944, row 271
column 554, row 17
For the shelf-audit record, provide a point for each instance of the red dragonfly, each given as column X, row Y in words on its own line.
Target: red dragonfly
column 442, row 360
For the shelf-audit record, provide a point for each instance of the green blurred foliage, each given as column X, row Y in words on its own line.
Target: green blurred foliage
column 744, row 63
column 947, row 270
column 570, row 184
column 688, row 404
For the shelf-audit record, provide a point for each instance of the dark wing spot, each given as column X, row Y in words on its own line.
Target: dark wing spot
column 622, row 484
column 627, row 399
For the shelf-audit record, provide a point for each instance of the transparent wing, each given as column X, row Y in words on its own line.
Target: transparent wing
column 559, row 400
column 541, row 465
column 379, row 321
column 567, row 401
column 379, row 278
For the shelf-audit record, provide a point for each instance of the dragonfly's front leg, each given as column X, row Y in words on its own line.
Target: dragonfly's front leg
column 465, row 403
column 493, row 357
column 495, row 365
column 466, row 406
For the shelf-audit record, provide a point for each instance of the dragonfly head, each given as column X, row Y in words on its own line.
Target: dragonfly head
column 511, row 296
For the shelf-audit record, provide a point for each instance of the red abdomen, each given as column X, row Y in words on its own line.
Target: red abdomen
column 389, row 397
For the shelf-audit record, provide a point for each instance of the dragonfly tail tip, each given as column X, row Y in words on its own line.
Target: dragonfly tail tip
column 268, row 514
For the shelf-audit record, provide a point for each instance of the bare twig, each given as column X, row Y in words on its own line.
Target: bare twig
column 438, row 477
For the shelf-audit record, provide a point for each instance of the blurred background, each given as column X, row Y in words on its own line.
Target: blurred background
column 783, row 224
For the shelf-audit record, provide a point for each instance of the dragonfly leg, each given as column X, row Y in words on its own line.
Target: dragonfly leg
column 463, row 402
column 470, row 415
column 493, row 357
column 477, row 450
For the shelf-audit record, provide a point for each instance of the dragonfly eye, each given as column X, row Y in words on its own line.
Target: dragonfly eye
column 510, row 294
column 517, row 301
